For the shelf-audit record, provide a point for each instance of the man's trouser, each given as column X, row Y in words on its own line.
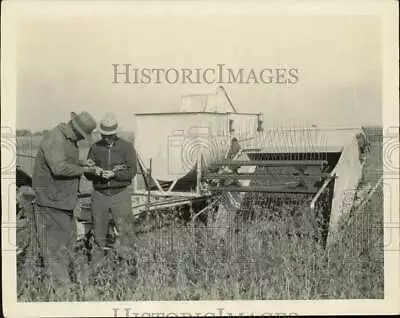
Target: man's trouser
column 82, row 219
column 53, row 232
column 102, row 204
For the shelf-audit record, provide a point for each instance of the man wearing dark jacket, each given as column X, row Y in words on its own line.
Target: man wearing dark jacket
column 117, row 159
column 55, row 181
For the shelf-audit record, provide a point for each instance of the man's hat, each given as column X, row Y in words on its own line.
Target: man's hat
column 109, row 124
column 83, row 123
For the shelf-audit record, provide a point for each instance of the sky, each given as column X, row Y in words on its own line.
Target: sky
column 65, row 65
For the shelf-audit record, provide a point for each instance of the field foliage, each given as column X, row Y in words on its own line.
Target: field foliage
column 167, row 258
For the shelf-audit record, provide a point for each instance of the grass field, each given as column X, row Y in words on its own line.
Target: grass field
column 263, row 259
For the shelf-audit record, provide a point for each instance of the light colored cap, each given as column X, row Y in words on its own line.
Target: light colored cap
column 109, row 124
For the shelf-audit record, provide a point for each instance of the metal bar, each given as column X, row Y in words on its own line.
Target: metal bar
column 148, row 193
column 147, row 174
column 371, row 192
column 323, row 128
column 239, row 153
column 308, row 173
column 194, row 113
column 252, row 150
column 174, row 199
column 135, row 183
column 170, row 205
column 144, row 172
column 263, row 189
column 141, row 163
column 198, row 174
column 167, row 194
column 172, row 185
column 318, row 194
column 249, row 176
column 166, row 204
column 158, row 184
column 26, row 156
column 228, row 98
column 205, row 209
column 160, row 203
column 270, row 163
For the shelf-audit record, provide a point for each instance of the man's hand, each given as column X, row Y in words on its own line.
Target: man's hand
column 93, row 170
column 90, row 170
column 87, row 163
column 108, row 174
column 98, row 171
column 120, row 167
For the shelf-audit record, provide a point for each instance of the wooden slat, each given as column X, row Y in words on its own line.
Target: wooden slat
column 270, row 163
column 264, row 189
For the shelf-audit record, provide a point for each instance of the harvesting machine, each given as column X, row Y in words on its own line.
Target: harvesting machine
column 210, row 153
column 220, row 163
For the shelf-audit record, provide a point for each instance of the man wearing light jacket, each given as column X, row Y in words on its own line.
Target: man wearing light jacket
column 117, row 159
column 55, row 181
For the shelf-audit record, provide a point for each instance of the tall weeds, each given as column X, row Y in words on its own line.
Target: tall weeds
column 261, row 257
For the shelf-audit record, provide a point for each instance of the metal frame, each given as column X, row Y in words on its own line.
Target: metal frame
column 161, row 192
column 262, row 189
column 271, row 163
column 193, row 113
column 160, row 198
column 281, row 188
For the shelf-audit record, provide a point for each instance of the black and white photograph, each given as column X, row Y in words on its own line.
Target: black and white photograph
column 158, row 155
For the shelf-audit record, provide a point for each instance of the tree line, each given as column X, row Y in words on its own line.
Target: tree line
column 27, row 132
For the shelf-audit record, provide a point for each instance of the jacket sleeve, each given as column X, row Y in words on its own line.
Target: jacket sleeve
column 56, row 158
column 129, row 173
column 91, row 155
